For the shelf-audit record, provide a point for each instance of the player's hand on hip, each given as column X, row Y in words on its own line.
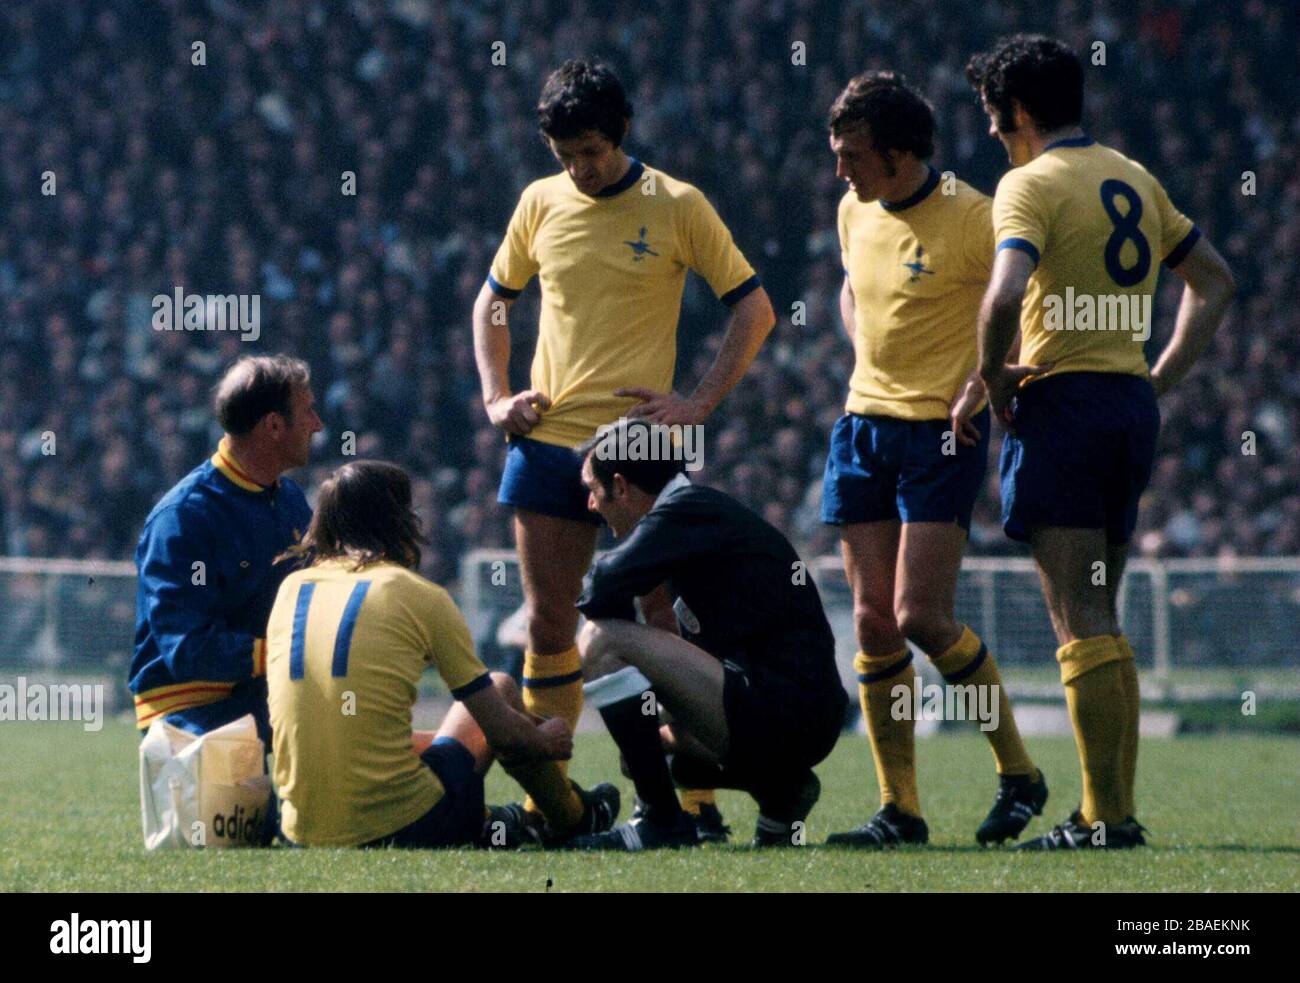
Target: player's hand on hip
column 962, row 409
column 665, row 408
column 518, row 414
column 1003, row 386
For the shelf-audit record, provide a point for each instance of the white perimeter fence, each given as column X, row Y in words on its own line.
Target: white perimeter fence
column 1201, row 628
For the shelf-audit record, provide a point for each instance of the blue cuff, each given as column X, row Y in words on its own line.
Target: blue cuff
column 1183, row 248
column 1024, row 245
column 734, row 296
column 501, row 291
column 470, row 688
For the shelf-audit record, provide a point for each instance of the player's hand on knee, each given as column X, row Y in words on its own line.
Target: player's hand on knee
column 518, row 414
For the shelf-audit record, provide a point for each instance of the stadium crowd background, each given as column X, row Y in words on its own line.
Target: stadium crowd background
column 226, row 178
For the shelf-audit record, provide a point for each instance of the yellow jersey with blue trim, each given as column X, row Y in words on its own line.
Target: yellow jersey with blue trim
column 918, row 269
column 1097, row 225
column 345, row 652
column 611, row 268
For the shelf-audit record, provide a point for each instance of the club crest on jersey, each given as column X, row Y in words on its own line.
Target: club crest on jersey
column 917, row 266
column 640, row 248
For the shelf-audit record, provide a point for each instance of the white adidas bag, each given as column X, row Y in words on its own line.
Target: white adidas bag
column 208, row 791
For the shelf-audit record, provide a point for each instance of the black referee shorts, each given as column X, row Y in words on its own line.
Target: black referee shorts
column 779, row 727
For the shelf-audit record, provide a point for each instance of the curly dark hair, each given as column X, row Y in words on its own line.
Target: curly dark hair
column 898, row 116
column 1040, row 73
column 579, row 96
column 364, row 514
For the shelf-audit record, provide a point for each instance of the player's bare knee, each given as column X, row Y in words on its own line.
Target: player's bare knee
column 876, row 631
column 593, row 648
column 599, row 646
column 588, row 640
column 930, row 629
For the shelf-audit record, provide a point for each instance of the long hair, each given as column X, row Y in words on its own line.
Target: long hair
column 363, row 514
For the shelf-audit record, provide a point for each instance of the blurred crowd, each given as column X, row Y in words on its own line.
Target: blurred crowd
column 204, row 145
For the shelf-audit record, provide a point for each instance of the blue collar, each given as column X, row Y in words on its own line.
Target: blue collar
column 916, row 197
column 1083, row 141
column 633, row 174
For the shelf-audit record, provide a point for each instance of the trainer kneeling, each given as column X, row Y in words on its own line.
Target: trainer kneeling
column 752, row 687
column 349, row 637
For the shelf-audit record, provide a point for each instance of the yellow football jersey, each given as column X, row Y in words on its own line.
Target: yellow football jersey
column 1097, row 225
column 918, row 269
column 345, row 651
column 611, row 268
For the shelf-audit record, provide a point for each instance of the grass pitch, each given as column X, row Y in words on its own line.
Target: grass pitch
column 1221, row 810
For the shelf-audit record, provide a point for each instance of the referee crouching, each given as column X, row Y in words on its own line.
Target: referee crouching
column 751, row 683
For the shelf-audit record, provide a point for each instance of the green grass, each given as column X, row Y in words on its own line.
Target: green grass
column 1221, row 811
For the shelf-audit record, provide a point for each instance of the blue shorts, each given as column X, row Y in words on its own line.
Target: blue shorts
column 545, row 478
column 883, row 467
column 1079, row 453
column 457, row 818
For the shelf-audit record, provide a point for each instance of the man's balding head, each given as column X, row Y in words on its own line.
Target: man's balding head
column 255, row 386
column 265, row 405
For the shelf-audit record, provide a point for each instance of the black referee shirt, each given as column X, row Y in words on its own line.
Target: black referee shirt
column 741, row 591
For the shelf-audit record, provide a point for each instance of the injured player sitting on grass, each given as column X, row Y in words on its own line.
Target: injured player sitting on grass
column 349, row 637
column 751, row 683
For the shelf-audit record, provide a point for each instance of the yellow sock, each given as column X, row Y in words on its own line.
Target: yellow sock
column 893, row 742
column 1092, row 674
column 969, row 663
column 553, row 688
column 549, row 792
column 1133, row 704
column 693, row 798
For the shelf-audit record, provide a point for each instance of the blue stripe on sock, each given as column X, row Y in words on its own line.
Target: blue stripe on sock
column 885, row 673
column 549, row 681
column 970, row 667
